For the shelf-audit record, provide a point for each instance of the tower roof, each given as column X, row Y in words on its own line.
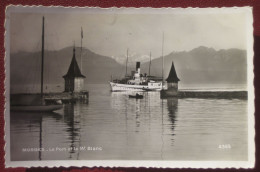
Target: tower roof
column 74, row 70
column 172, row 75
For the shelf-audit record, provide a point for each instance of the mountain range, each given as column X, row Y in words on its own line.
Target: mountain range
column 200, row 65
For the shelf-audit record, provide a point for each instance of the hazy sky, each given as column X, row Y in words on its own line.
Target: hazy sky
column 111, row 32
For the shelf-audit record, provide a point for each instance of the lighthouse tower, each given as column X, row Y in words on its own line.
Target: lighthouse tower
column 172, row 84
column 74, row 80
column 172, row 80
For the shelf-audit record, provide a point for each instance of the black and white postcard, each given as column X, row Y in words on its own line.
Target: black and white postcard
column 129, row 87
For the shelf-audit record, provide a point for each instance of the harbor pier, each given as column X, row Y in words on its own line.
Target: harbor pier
column 67, row 97
column 206, row 94
column 27, row 99
column 172, row 90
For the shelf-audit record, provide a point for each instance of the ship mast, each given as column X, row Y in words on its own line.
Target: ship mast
column 42, row 65
column 162, row 59
column 126, row 62
column 150, row 63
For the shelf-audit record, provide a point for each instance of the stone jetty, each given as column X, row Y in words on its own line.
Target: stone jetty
column 67, row 97
column 49, row 98
column 207, row 94
column 172, row 90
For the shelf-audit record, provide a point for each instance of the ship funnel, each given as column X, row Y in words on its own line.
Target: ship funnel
column 137, row 65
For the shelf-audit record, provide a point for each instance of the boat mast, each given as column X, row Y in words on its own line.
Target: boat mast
column 42, row 65
column 126, row 62
column 81, row 49
column 150, row 63
column 162, row 59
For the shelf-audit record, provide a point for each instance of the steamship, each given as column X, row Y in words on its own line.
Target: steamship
column 137, row 82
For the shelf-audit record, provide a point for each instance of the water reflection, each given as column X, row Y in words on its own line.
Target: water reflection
column 131, row 107
column 150, row 129
column 34, row 123
column 72, row 119
column 137, row 114
column 172, row 106
column 47, row 131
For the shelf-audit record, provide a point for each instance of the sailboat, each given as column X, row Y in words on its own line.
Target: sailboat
column 35, row 102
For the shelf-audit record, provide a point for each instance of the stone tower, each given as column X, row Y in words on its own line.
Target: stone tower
column 74, row 80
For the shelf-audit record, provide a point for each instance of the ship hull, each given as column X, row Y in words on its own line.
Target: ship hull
column 138, row 88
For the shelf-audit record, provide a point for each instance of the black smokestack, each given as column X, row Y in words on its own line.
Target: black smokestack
column 137, row 65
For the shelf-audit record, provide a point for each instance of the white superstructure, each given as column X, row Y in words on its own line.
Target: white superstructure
column 137, row 82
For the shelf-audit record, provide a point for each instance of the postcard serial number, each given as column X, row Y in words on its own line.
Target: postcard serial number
column 224, row 146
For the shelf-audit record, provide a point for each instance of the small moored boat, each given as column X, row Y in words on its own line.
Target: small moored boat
column 137, row 96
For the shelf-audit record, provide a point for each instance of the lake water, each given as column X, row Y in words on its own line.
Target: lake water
column 113, row 127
